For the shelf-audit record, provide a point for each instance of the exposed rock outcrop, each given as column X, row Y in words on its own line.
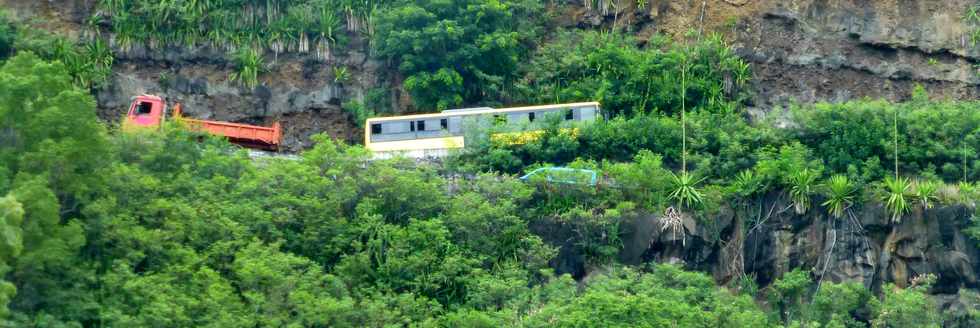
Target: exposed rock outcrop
column 820, row 50
column 769, row 238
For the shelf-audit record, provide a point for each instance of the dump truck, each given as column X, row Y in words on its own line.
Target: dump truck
column 149, row 111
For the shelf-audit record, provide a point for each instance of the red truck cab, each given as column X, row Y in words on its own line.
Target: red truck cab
column 146, row 111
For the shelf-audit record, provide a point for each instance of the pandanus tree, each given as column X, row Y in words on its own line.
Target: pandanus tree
column 279, row 25
column 685, row 184
column 685, row 192
column 897, row 188
column 248, row 66
column 840, row 192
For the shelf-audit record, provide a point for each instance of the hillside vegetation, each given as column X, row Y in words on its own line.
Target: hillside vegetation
column 161, row 230
column 169, row 228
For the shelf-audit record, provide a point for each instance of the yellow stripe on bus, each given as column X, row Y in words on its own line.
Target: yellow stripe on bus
column 508, row 138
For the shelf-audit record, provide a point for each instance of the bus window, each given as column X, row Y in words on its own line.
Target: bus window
column 376, row 128
column 420, row 125
column 444, row 123
column 499, row 119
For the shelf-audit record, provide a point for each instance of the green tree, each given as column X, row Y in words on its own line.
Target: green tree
column 11, row 245
column 905, row 307
column 287, row 290
column 788, row 293
column 838, row 305
column 610, row 68
column 8, row 34
column 50, row 126
column 48, row 274
column 666, row 297
column 455, row 52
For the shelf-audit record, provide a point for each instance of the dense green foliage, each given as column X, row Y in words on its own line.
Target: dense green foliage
column 937, row 140
column 8, row 34
column 154, row 230
column 456, row 52
column 88, row 60
column 248, row 65
column 447, row 52
column 158, row 229
column 280, row 25
column 628, row 80
column 972, row 18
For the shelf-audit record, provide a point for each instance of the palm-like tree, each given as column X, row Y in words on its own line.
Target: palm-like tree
column 279, row 25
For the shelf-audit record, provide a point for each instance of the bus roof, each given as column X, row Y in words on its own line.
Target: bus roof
column 478, row 111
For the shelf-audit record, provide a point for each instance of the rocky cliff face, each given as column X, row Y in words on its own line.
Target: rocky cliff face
column 823, row 50
column 839, row 50
column 297, row 90
column 800, row 51
column 768, row 238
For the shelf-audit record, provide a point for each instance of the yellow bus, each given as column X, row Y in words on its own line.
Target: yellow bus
column 433, row 135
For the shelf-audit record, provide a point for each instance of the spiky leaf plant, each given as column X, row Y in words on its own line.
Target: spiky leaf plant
column 747, row 184
column 925, row 193
column 897, row 196
column 685, row 190
column 341, row 75
column 840, row 192
column 248, row 65
column 801, row 186
column 968, row 190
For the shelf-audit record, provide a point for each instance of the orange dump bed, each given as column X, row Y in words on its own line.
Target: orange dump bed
column 251, row 136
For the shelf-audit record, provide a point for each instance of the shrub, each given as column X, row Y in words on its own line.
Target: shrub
column 906, row 307
column 925, row 192
column 297, row 26
column 787, row 293
column 857, row 136
column 466, row 51
column 837, row 304
column 248, row 66
column 747, row 184
column 969, row 191
column 341, row 75
column 629, row 80
column 645, row 180
column 358, row 112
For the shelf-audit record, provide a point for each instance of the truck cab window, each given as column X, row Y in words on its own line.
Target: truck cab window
column 144, row 108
